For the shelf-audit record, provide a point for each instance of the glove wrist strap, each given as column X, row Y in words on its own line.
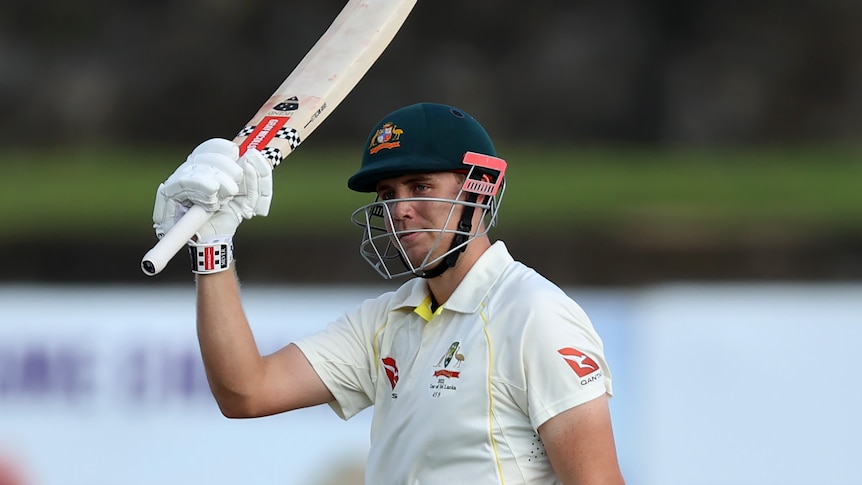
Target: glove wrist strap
column 211, row 256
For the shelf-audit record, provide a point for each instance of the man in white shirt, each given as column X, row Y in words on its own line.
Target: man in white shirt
column 479, row 369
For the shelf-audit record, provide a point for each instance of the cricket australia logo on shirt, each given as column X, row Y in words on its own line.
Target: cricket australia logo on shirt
column 447, row 368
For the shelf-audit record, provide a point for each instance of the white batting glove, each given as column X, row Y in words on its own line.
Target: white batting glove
column 216, row 178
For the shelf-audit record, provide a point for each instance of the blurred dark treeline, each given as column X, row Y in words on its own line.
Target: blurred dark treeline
column 702, row 72
column 657, row 73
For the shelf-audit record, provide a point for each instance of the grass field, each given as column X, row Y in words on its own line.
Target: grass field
column 110, row 191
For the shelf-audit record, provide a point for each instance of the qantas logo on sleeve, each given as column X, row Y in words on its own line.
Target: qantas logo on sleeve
column 582, row 364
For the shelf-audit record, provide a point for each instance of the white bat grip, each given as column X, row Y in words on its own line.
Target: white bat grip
column 157, row 258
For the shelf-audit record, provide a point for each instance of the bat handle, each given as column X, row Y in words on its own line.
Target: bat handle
column 157, row 258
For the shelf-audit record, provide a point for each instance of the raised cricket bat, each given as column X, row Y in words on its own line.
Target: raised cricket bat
column 330, row 70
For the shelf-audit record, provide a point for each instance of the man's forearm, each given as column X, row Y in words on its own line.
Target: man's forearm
column 230, row 355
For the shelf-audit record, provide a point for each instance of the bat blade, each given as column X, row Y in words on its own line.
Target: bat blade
column 315, row 87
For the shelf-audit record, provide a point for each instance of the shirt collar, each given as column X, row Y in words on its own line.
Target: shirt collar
column 470, row 292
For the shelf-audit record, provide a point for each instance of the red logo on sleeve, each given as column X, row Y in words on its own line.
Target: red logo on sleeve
column 391, row 370
column 582, row 364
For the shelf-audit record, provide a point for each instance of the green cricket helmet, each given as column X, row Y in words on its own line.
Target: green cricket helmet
column 427, row 138
column 421, row 138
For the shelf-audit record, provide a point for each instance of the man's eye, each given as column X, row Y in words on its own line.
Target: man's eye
column 421, row 188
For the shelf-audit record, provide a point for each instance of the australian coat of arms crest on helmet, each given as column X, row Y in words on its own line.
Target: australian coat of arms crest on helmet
column 386, row 137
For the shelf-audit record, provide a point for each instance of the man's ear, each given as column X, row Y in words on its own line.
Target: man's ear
column 485, row 178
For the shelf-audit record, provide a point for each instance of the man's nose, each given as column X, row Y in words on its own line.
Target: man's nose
column 401, row 209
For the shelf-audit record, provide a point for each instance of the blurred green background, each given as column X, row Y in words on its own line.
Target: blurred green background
column 647, row 141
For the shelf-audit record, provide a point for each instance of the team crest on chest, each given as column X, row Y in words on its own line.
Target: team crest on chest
column 446, row 369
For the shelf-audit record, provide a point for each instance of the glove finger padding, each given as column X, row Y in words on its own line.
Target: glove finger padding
column 205, row 179
column 215, row 177
column 252, row 199
column 166, row 212
column 258, row 184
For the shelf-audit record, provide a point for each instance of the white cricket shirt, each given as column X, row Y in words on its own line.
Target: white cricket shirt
column 459, row 394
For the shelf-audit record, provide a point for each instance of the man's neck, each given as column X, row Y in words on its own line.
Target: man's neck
column 444, row 285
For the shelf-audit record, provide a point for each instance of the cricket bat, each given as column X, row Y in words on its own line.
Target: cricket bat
column 321, row 80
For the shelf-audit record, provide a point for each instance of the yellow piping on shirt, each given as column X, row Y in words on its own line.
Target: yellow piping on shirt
column 491, row 396
column 375, row 349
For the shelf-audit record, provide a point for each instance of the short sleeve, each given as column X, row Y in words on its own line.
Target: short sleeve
column 341, row 357
column 563, row 358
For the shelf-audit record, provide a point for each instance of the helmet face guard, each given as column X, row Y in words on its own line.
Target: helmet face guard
column 482, row 191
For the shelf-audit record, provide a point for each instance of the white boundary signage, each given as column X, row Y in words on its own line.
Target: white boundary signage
column 713, row 384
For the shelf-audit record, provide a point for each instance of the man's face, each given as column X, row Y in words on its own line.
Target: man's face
column 417, row 224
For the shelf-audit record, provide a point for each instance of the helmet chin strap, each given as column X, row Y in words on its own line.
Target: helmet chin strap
column 465, row 226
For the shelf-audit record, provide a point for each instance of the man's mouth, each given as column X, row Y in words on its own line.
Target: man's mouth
column 408, row 235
